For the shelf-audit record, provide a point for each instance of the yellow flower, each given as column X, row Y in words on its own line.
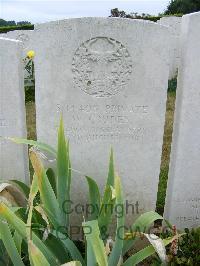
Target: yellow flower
column 30, row 54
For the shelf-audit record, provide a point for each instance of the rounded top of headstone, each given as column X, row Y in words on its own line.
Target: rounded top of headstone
column 99, row 20
column 191, row 16
column 10, row 40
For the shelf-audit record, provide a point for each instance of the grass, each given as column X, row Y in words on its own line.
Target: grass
column 31, row 120
column 167, row 139
column 31, row 124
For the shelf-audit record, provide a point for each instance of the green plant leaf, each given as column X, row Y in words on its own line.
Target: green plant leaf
column 139, row 256
column 18, row 241
column 20, row 227
column 145, row 253
column 94, row 195
column 37, row 144
column 37, row 258
column 106, row 210
column 168, row 224
column 32, row 195
column 108, row 201
column 111, row 172
column 48, row 197
column 9, row 243
column 119, row 235
column 5, row 259
column 52, row 179
column 91, row 260
column 141, row 224
column 38, row 214
column 158, row 245
column 57, row 248
column 63, row 180
column 34, row 189
column 68, row 243
column 92, row 234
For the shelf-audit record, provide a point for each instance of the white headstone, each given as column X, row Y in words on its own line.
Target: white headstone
column 13, row 157
column 26, row 37
column 174, row 23
column 108, row 77
column 183, row 194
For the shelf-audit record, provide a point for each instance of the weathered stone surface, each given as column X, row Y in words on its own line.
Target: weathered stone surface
column 174, row 23
column 183, row 198
column 13, row 157
column 109, row 78
column 26, row 37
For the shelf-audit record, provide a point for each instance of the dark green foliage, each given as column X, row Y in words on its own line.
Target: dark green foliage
column 22, row 23
column 7, row 23
column 4, row 22
column 29, row 94
column 5, row 29
column 151, row 18
column 4, row 257
column 189, row 249
column 29, row 67
column 172, row 85
column 122, row 14
column 162, row 186
column 115, row 12
column 188, row 252
column 182, row 7
column 52, row 179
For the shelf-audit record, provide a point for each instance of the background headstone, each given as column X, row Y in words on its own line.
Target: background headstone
column 13, row 157
column 109, row 78
column 174, row 23
column 183, row 193
column 26, row 37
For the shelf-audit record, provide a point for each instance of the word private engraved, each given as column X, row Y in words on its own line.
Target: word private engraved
column 101, row 67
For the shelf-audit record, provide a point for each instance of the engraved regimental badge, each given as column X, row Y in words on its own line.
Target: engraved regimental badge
column 101, row 67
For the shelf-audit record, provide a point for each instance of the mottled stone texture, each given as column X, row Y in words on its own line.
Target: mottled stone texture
column 13, row 157
column 25, row 36
column 109, row 77
column 183, row 197
column 174, row 23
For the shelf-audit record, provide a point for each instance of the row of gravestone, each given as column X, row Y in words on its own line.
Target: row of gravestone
column 26, row 37
column 109, row 78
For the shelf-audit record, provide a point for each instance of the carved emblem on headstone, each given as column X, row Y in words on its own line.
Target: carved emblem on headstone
column 101, row 67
